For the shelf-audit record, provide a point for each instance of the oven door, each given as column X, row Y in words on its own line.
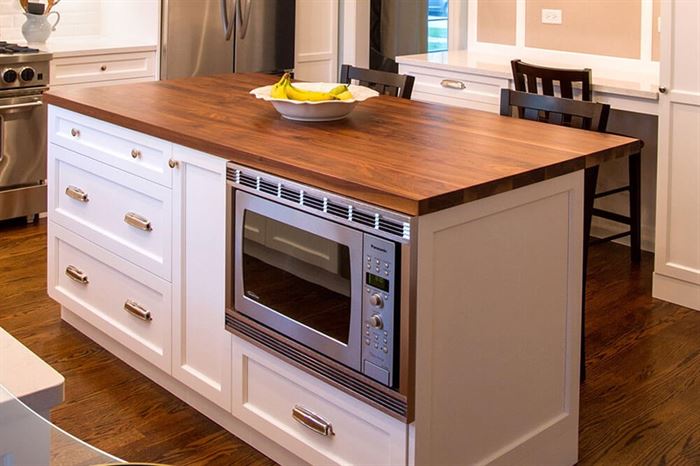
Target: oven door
column 22, row 141
column 299, row 275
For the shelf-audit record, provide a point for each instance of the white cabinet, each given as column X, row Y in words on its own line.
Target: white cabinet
column 316, row 41
column 149, row 238
column 201, row 344
column 677, row 260
column 268, row 394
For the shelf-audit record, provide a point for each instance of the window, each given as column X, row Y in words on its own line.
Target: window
column 437, row 25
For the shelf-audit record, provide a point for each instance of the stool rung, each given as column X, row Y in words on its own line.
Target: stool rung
column 612, row 191
column 619, row 218
column 609, row 238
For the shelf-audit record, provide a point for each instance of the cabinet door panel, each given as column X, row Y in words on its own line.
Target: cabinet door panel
column 201, row 344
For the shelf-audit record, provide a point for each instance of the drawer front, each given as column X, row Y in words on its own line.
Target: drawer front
column 133, row 152
column 125, row 214
column 459, row 89
column 267, row 390
column 108, row 67
column 120, row 299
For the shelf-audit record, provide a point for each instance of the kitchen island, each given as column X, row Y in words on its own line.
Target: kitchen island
column 490, row 371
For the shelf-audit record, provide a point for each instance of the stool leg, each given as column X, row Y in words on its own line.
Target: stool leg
column 635, row 176
column 589, row 187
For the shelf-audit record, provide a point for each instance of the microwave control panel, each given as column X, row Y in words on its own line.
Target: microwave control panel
column 378, row 309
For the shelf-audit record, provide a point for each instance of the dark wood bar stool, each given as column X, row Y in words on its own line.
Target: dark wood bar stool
column 541, row 80
column 384, row 82
column 578, row 114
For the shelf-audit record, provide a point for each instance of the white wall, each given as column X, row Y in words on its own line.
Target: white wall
column 122, row 20
column 78, row 18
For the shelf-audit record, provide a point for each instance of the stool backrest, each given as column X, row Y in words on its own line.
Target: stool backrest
column 384, row 82
column 556, row 110
column 540, row 80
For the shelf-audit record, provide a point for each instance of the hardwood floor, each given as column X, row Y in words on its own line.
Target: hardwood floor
column 640, row 403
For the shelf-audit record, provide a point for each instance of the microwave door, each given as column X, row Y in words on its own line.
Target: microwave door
column 299, row 275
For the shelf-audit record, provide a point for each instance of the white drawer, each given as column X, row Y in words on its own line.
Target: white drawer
column 266, row 390
column 111, row 195
column 107, row 67
column 134, row 152
column 459, row 89
column 110, row 283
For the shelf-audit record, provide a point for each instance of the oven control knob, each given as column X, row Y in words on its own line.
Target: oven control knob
column 9, row 76
column 376, row 300
column 376, row 321
column 27, row 74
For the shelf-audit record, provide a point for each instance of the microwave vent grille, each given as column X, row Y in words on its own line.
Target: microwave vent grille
column 353, row 384
column 330, row 205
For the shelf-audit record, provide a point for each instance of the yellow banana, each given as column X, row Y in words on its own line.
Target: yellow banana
column 308, row 96
column 337, row 90
column 347, row 95
column 278, row 90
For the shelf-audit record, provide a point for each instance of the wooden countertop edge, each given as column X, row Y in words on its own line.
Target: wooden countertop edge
column 409, row 206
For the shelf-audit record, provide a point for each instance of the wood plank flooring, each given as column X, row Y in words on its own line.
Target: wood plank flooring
column 640, row 403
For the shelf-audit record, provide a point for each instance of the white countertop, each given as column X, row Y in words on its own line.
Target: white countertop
column 91, row 45
column 610, row 81
column 27, row 377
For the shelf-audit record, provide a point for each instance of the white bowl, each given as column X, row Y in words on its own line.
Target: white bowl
column 327, row 110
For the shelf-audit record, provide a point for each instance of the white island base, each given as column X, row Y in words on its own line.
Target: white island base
column 498, row 309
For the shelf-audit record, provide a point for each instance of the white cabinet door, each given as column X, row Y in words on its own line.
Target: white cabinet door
column 677, row 267
column 201, row 344
column 316, row 44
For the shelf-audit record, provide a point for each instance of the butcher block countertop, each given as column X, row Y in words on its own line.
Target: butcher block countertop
column 402, row 155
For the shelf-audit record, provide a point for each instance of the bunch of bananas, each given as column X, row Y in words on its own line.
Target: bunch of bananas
column 284, row 89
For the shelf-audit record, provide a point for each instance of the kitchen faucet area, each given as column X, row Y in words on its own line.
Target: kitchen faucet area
column 370, row 232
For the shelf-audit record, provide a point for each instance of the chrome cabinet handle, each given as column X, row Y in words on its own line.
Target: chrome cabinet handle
column 452, row 84
column 136, row 310
column 75, row 132
column 137, row 221
column 173, row 163
column 77, row 194
column 77, row 275
column 135, row 153
column 312, row 421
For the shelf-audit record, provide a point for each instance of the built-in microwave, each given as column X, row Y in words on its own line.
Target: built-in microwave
column 318, row 278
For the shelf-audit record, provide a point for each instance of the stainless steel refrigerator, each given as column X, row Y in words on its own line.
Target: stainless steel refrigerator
column 203, row 37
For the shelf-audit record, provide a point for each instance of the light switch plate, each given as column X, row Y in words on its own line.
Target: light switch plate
column 551, row 16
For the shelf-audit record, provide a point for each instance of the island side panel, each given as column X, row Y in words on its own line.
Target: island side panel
column 498, row 328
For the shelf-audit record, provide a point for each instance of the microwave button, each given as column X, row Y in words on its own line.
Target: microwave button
column 378, row 262
column 366, row 341
column 386, row 265
column 376, row 321
column 377, row 373
column 376, row 301
column 385, row 349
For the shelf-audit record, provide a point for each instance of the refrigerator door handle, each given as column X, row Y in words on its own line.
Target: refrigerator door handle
column 228, row 20
column 244, row 16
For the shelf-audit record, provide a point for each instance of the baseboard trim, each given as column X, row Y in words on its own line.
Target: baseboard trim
column 676, row 291
column 223, row 418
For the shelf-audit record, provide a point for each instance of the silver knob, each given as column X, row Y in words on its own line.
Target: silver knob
column 75, row 133
column 135, row 153
column 662, row 90
column 376, row 321
column 376, row 300
column 173, row 163
column 103, row 68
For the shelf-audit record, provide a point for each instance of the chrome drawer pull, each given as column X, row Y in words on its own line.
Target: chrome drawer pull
column 77, row 194
column 75, row 133
column 452, row 84
column 135, row 153
column 312, row 421
column 136, row 221
column 77, row 275
column 136, row 310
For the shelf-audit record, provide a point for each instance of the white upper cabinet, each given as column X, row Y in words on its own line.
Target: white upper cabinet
column 677, row 267
column 316, row 44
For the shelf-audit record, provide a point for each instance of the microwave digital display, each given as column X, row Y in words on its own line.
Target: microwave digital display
column 378, row 282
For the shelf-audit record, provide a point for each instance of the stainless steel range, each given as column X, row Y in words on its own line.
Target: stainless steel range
column 24, row 76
